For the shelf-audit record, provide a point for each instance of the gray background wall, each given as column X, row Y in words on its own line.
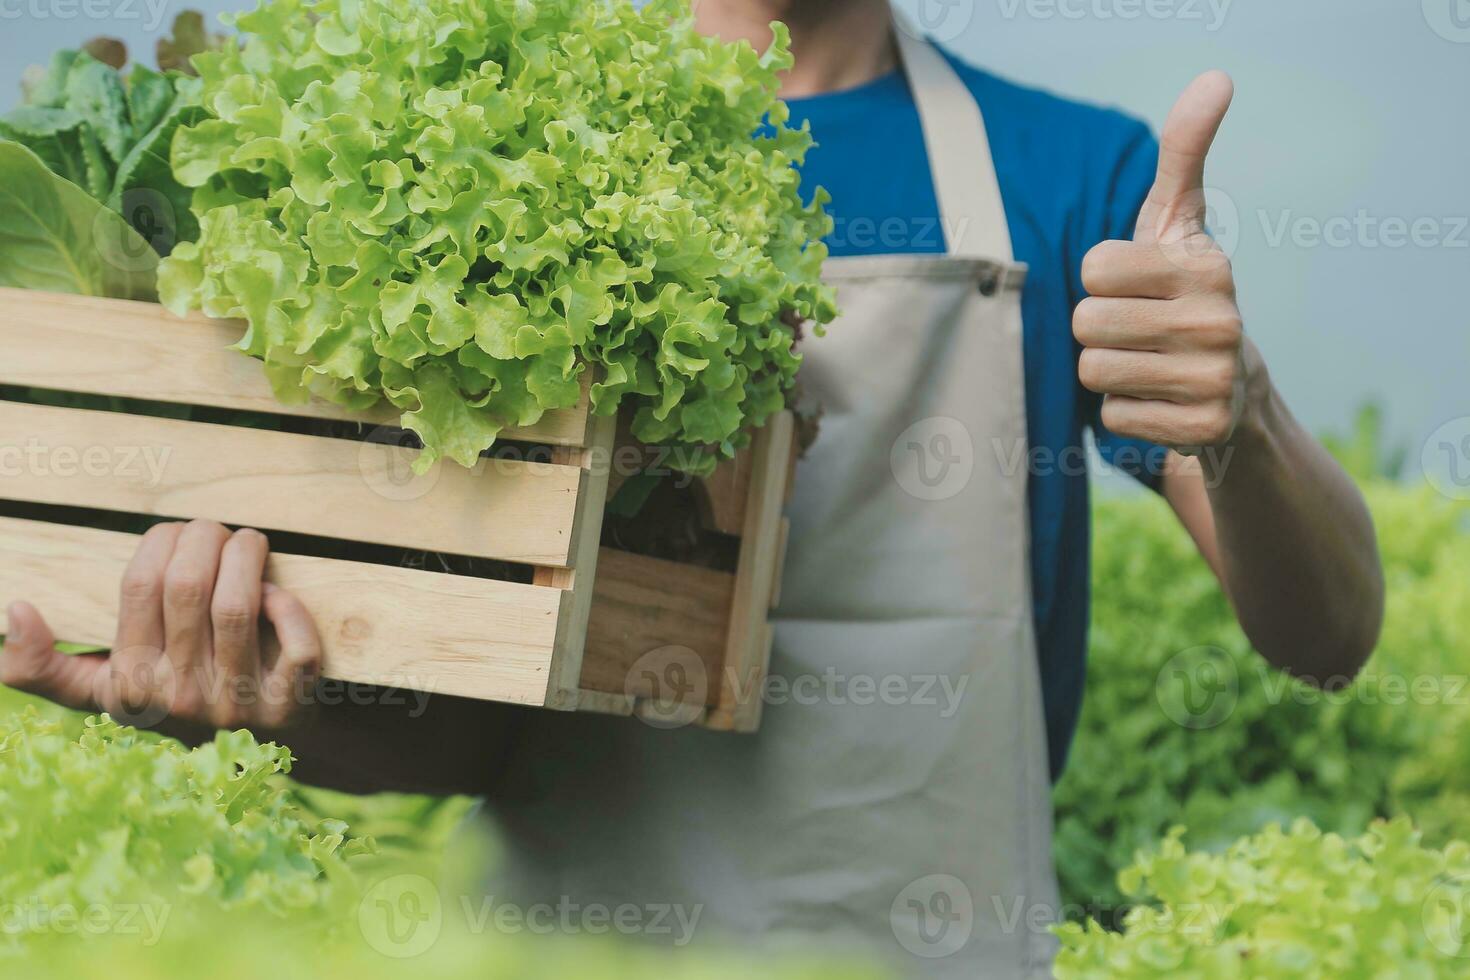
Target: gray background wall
column 1349, row 132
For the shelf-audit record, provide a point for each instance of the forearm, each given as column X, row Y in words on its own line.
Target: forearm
column 1293, row 541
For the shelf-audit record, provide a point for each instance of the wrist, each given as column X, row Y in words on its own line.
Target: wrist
column 1263, row 415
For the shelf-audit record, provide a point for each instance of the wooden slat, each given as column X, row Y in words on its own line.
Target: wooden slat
column 140, row 350
column 782, row 539
column 644, row 604
column 358, row 491
column 724, row 493
column 402, row 627
column 748, row 650
column 606, row 704
column 594, row 461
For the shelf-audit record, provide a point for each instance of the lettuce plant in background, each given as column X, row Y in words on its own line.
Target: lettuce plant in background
column 465, row 206
column 1296, row 904
column 106, row 127
column 1183, row 724
column 54, row 236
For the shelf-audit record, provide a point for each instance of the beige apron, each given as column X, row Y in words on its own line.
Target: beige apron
column 896, row 803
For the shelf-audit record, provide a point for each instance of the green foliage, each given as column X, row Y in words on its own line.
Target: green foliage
column 229, row 953
column 1297, row 904
column 107, row 819
column 108, row 130
column 1184, row 725
column 53, row 236
column 122, row 853
column 463, row 205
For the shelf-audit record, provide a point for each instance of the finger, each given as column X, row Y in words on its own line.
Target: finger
column 1194, row 325
column 1184, row 379
column 1177, row 198
column 188, row 589
column 1126, row 324
column 140, row 611
column 297, row 665
column 140, row 629
column 235, row 607
column 1128, row 270
column 30, row 662
column 1167, row 424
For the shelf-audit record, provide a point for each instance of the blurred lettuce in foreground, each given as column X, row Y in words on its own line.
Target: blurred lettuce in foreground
column 1289, row 904
column 114, row 831
column 469, row 206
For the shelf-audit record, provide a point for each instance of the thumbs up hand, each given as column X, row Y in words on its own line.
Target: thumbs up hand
column 1161, row 332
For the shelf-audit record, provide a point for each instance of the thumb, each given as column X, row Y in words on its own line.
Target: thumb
column 1176, row 204
column 30, row 662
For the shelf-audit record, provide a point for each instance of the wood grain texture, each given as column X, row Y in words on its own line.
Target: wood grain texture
column 563, row 683
column 357, row 491
column 402, row 627
column 140, row 350
column 641, row 605
column 748, row 649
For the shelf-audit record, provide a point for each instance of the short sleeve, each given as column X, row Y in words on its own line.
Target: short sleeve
column 1116, row 215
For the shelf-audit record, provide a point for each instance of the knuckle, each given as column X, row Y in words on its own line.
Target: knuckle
column 1224, row 331
column 227, row 716
column 16, row 673
column 140, row 587
column 187, row 584
column 188, row 705
column 133, row 693
column 1216, row 270
column 1221, row 380
column 1212, row 427
column 233, row 616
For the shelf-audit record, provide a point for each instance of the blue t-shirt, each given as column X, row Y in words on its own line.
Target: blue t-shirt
column 1071, row 176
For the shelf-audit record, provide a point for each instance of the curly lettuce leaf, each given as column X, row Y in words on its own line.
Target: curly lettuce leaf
column 469, row 208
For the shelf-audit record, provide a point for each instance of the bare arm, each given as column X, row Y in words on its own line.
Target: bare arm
column 1289, row 537
column 1281, row 524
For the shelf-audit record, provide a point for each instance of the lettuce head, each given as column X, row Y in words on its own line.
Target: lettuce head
column 472, row 208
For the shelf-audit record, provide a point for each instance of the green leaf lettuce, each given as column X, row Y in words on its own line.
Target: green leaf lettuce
column 467, row 207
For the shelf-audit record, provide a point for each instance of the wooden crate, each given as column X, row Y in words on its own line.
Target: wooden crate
column 578, row 626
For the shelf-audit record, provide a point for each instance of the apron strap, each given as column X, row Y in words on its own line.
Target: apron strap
column 970, row 206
